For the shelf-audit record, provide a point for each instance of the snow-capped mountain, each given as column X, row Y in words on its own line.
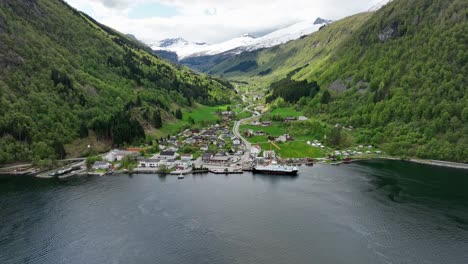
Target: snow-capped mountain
column 247, row 42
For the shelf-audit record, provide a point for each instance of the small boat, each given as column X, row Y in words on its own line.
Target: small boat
column 181, row 176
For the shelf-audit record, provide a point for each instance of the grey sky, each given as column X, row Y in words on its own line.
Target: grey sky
column 212, row 20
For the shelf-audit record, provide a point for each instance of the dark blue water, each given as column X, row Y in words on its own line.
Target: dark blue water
column 372, row 212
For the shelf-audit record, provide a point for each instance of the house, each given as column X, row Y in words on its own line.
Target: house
column 289, row 119
column 255, row 150
column 284, row 138
column 281, row 139
column 148, row 163
column 269, row 154
column 255, row 123
column 204, row 147
column 236, row 142
column 266, row 123
column 220, row 158
column 101, row 165
column 208, row 134
column 186, row 157
column 190, row 141
column 187, row 133
column 260, row 133
column 249, row 133
column 168, row 155
column 302, row 118
column 221, row 144
column 197, row 138
column 207, row 157
column 118, row 155
column 183, row 166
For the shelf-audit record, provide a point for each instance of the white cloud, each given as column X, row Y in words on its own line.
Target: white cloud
column 216, row 20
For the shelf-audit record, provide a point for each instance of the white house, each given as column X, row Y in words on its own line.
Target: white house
column 204, row 147
column 281, row 139
column 269, row 154
column 101, row 165
column 256, row 123
column 168, row 155
column 186, row 157
column 118, row 155
column 255, row 150
column 236, row 142
column 149, row 163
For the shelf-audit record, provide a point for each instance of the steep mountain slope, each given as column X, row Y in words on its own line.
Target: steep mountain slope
column 65, row 76
column 405, row 75
column 398, row 75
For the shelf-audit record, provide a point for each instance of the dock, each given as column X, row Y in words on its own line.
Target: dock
column 226, row 171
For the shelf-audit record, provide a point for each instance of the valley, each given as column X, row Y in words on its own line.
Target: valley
column 341, row 83
column 158, row 131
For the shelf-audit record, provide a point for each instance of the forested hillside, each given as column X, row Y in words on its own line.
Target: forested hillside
column 63, row 76
column 397, row 75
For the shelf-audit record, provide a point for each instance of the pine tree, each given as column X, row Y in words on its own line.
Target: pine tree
column 178, row 114
column 157, row 121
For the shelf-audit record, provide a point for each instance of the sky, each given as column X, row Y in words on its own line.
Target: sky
column 212, row 21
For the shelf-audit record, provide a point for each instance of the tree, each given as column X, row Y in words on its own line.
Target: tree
column 157, row 120
column 59, row 149
column 335, row 136
column 191, row 120
column 178, row 114
column 326, row 97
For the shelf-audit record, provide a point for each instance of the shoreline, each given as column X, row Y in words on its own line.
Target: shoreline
column 438, row 163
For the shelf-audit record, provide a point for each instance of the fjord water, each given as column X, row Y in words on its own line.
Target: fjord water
column 367, row 212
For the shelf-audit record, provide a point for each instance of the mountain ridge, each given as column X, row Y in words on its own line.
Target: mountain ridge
column 246, row 42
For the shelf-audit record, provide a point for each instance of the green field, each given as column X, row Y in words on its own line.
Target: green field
column 286, row 112
column 204, row 113
column 275, row 130
column 243, row 115
column 258, row 139
column 295, row 149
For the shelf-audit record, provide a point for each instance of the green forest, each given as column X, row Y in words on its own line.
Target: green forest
column 64, row 76
column 405, row 77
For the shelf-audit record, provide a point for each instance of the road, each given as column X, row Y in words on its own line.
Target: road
column 248, row 146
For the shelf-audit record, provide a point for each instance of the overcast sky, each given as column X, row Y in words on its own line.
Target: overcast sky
column 212, row 21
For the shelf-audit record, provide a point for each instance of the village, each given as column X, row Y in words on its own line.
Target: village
column 235, row 143
column 220, row 148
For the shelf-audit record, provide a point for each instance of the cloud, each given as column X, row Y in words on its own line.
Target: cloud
column 214, row 20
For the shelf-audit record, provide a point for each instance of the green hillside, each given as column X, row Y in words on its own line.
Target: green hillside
column 63, row 76
column 397, row 75
column 276, row 62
